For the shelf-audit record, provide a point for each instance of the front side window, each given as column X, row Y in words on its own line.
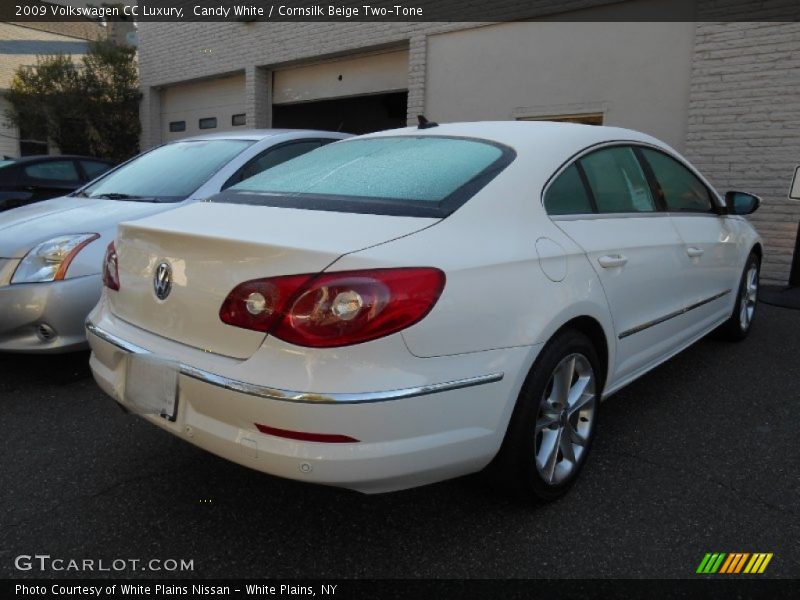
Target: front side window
column 169, row 173
column 93, row 168
column 683, row 191
column 415, row 176
column 617, row 181
column 567, row 195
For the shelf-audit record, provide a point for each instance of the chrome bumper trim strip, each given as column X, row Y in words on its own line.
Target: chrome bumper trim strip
column 302, row 397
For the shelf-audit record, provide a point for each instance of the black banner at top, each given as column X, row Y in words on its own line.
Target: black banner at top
column 400, row 10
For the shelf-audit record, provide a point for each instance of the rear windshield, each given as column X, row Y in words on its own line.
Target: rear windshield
column 410, row 176
column 169, row 173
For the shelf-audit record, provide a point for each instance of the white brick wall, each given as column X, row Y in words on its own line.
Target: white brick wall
column 744, row 123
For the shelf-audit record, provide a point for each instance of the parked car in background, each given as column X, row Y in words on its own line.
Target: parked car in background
column 34, row 178
column 51, row 253
column 413, row 305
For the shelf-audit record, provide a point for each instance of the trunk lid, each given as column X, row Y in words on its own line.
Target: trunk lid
column 211, row 248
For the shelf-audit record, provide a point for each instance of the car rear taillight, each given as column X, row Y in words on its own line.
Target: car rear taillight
column 111, row 268
column 334, row 309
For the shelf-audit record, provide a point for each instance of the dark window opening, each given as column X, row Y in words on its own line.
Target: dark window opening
column 583, row 119
column 176, row 126
column 240, row 119
column 358, row 114
column 208, row 123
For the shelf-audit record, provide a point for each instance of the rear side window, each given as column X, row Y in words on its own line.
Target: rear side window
column 567, row 195
column 415, row 176
column 93, row 168
column 272, row 158
column 683, row 191
column 617, row 181
column 56, row 170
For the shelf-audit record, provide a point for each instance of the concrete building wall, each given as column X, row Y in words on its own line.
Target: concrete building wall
column 635, row 74
column 170, row 53
column 744, row 123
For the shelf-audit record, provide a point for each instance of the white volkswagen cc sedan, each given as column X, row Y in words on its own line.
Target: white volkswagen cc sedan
column 413, row 305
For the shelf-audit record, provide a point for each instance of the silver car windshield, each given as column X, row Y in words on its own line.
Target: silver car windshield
column 167, row 174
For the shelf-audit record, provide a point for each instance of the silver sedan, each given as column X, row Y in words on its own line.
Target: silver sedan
column 51, row 252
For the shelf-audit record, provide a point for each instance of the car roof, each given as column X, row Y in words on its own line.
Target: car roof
column 260, row 134
column 536, row 136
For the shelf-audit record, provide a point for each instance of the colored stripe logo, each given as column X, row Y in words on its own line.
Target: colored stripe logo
column 734, row 563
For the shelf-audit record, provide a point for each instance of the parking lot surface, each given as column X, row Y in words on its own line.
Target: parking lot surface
column 701, row 455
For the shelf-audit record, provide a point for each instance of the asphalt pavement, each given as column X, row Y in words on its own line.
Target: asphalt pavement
column 701, row 455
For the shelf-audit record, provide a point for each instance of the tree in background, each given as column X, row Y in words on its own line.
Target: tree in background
column 91, row 109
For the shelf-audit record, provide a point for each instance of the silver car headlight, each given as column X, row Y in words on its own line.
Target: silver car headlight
column 50, row 260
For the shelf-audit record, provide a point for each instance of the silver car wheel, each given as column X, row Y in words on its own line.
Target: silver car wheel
column 749, row 298
column 565, row 420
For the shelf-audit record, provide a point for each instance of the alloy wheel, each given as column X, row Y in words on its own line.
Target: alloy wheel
column 565, row 420
column 749, row 298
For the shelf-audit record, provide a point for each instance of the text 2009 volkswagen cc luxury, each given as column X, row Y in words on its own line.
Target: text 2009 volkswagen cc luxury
column 413, row 305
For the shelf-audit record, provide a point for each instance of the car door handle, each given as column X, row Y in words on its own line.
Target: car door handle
column 694, row 252
column 612, row 260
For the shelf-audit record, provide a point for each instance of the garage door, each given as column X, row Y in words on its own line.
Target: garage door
column 202, row 107
column 356, row 95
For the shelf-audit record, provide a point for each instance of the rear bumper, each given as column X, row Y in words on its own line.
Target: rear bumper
column 406, row 435
column 272, row 393
column 56, row 308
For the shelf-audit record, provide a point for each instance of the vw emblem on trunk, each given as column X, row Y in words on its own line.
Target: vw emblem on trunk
column 162, row 281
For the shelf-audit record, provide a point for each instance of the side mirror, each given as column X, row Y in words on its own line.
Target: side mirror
column 741, row 203
column 794, row 191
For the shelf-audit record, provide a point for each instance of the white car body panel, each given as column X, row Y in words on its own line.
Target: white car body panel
column 433, row 400
column 246, row 242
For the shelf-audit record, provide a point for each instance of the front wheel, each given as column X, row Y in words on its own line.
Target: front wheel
column 738, row 325
column 553, row 423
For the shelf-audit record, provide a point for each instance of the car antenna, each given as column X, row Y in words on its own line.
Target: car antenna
column 424, row 123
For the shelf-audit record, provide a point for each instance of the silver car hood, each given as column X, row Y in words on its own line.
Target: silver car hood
column 24, row 227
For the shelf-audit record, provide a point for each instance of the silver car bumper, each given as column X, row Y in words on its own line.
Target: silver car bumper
column 47, row 317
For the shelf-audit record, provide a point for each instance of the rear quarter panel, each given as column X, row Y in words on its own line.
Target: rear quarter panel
column 497, row 293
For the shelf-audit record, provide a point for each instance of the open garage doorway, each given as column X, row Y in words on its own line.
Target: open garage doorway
column 359, row 114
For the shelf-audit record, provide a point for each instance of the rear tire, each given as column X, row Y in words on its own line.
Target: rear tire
column 736, row 328
column 554, row 420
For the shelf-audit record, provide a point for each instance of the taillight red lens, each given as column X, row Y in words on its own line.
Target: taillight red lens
column 111, row 268
column 257, row 304
column 335, row 309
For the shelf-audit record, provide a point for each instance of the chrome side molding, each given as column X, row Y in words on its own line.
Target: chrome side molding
column 294, row 396
column 677, row 313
